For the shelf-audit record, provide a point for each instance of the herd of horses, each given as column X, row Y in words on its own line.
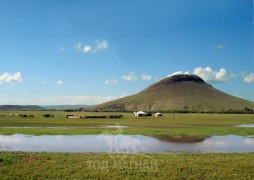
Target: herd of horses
column 137, row 114
column 19, row 115
column 26, row 115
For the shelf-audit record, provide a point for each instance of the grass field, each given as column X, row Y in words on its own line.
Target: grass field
column 176, row 125
column 126, row 166
column 23, row 165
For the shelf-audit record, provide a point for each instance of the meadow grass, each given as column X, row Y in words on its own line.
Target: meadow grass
column 202, row 125
column 21, row 165
column 26, row 165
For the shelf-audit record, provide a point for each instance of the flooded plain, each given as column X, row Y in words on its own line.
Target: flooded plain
column 64, row 127
column 124, row 143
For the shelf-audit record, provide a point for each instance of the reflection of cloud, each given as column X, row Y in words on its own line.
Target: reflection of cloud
column 9, row 139
column 59, row 138
column 249, row 141
column 222, row 143
column 217, row 143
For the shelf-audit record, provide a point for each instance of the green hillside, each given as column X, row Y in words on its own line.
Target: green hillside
column 179, row 93
column 19, row 107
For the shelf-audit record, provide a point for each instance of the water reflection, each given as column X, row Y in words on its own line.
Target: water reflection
column 246, row 125
column 124, row 143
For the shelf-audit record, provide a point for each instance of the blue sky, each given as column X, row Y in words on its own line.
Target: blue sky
column 92, row 51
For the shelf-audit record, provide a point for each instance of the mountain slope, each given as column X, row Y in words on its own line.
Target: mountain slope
column 179, row 92
column 19, row 107
column 69, row 107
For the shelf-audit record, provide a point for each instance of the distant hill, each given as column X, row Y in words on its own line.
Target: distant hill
column 69, row 107
column 179, row 93
column 19, row 107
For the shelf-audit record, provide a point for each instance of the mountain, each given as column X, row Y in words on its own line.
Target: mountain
column 19, row 107
column 69, row 107
column 179, row 93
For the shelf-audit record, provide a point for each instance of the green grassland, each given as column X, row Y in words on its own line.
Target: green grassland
column 21, row 165
column 176, row 125
column 24, row 165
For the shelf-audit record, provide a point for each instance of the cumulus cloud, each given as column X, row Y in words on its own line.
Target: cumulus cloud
column 130, row 77
column 249, row 78
column 219, row 46
column 178, row 72
column 11, row 78
column 59, row 82
column 91, row 48
column 146, row 77
column 87, row 49
column 111, row 81
column 211, row 76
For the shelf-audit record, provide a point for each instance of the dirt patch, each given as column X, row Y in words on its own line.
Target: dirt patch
column 28, row 158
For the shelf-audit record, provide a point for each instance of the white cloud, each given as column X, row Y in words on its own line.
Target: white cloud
column 87, row 49
column 178, row 72
column 111, row 81
column 97, row 45
column 211, row 76
column 8, row 78
column 72, row 100
column 59, row 82
column 61, row 100
column 62, row 49
column 249, row 78
column 239, row 95
column 78, row 46
column 146, row 77
column 219, row 46
column 101, row 45
column 130, row 77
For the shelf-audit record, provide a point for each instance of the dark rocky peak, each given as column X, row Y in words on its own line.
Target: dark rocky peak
column 177, row 78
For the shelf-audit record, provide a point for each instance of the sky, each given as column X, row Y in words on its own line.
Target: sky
column 56, row 52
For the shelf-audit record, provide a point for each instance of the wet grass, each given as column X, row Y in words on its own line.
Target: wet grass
column 22, row 165
column 126, row 166
column 175, row 125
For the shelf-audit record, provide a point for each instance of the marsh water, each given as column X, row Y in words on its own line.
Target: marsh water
column 246, row 125
column 124, row 143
